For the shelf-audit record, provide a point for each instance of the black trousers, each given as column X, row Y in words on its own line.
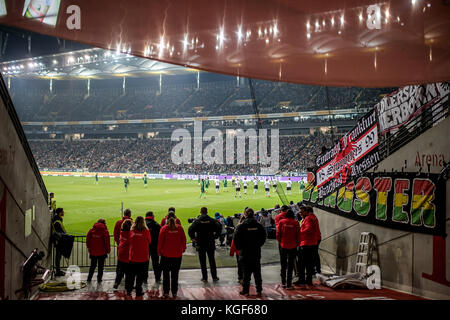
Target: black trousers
column 101, row 263
column 305, row 262
column 202, row 253
column 121, row 270
column 251, row 266
column 287, row 259
column 137, row 271
column 155, row 263
column 240, row 268
column 58, row 256
column 316, row 259
column 170, row 270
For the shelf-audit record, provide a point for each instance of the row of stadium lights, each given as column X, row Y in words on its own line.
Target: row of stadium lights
column 67, row 62
column 264, row 33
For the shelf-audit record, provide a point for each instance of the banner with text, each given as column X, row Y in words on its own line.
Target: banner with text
column 356, row 152
column 404, row 201
column 402, row 105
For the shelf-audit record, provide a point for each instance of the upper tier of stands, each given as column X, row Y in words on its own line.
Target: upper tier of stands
column 178, row 97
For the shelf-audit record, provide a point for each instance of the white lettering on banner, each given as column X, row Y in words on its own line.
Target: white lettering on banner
column 399, row 107
column 360, row 148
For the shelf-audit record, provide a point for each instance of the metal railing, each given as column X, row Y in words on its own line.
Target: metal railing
column 80, row 254
column 428, row 118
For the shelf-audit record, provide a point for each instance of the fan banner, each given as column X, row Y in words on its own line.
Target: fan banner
column 356, row 152
column 405, row 201
column 407, row 102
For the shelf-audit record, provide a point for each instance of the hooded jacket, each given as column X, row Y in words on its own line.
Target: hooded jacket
column 97, row 240
column 123, row 254
column 309, row 231
column 163, row 221
column 117, row 228
column 288, row 233
column 171, row 243
column 318, row 234
column 279, row 217
column 249, row 237
column 139, row 245
column 205, row 230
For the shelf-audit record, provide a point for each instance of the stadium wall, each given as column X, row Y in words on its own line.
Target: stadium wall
column 24, row 215
column 415, row 263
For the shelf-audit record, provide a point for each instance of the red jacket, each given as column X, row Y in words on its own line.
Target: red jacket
column 139, row 245
column 123, row 254
column 97, row 240
column 318, row 235
column 171, row 243
column 279, row 217
column 308, row 231
column 163, row 221
column 117, row 229
column 233, row 249
column 288, row 233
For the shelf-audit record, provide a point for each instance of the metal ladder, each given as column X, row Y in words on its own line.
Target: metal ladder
column 364, row 255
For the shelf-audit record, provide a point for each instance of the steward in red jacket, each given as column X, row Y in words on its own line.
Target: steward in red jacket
column 118, row 225
column 308, row 241
column 123, row 252
column 137, row 270
column 139, row 245
column 309, row 230
column 171, row 242
column 288, row 233
column 97, row 240
column 281, row 215
column 171, row 245
column 98, row 244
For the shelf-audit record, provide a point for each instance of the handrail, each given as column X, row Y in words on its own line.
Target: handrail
column 21, row 134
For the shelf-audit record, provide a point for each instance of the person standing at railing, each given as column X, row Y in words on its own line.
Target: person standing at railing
column 98, row 244
column 171, row 245
column 140, row 240
column 154, row 229
column 118, row 225
column 123, row 252
column 58, row 231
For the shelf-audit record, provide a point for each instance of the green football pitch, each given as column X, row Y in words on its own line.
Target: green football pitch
column 85, row 202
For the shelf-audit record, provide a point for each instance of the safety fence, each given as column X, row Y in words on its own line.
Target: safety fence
column 80, row 254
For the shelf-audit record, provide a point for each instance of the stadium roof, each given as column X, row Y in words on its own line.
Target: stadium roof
column 367, row 43
column 89, row 63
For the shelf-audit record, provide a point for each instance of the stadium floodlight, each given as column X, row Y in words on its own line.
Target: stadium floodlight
column 239, row 34
column 275, row 30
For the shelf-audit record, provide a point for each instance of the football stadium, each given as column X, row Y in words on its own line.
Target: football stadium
column 174, row 159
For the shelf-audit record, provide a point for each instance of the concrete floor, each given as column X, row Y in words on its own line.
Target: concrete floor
column 191, row 288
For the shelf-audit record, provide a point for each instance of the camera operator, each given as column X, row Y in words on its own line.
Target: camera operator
column 204, row 231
